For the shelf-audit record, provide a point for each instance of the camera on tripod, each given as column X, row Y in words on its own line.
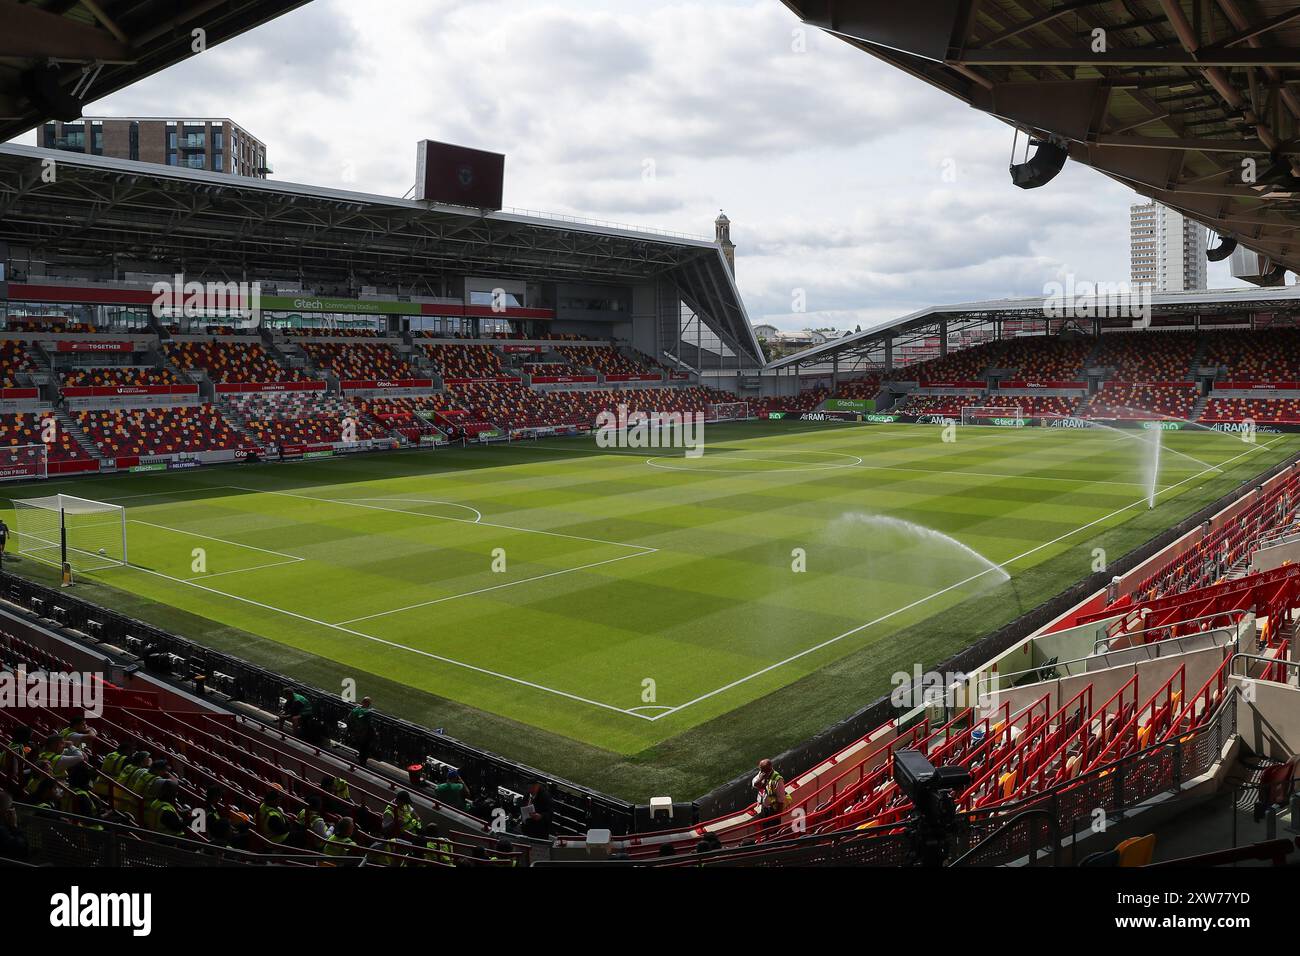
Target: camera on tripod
column 932, row 791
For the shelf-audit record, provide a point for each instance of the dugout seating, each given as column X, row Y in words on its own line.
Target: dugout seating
column 232, row 362
column 1119, row 400
column 24, row 428
column 1265, row 411
column 113, row 375
column 1148, row 356
column 363, row 361
column 14, row 358
column 158, row 431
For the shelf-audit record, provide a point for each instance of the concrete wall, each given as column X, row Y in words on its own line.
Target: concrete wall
column 1270, row 723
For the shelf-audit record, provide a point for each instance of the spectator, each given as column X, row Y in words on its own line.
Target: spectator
column 361, row 726
column 14, row 756
column 271, row 821
column 311, row 825
column 538, row 811
column 297, row 710
column 165, row 816
column 770, row 788
column 340, row 842
column 438, row 848
column 400, row 818
column 504, row 852
column 60, row 756
column 214, row 815
column 453, row 791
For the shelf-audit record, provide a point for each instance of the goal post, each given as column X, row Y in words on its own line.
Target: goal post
column 87, row 535
column 726, row 412
column 1005, row 415
column 18, row 462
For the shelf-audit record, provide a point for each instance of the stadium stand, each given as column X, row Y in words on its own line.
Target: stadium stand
column 226, row 361
column 1118, row 400
column 950, row 405
column 24, row 428
column 466, row 362
column 1148, row 356
column 13, row 360
column 1278, row 411
column 1261, row 355
column 124, row 375
column 158, row 431
column 361, row 361
column 290, row 418
column 1037, row 406
column 1038, row 358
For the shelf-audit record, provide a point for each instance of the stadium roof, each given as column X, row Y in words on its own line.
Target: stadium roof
column 106, row 45
column 1182, row 94
column 149, row 217
column 1082, row 308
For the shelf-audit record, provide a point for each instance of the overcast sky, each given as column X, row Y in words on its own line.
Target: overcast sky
column 830, row 165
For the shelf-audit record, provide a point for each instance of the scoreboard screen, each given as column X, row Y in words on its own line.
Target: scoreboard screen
column 458, row 175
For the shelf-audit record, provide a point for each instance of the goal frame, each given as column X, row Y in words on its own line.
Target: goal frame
column 56, row 534
column 970, row 412
column 13, row 468
column 712, row 410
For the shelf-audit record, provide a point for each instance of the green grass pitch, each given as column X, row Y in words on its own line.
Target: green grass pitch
column 636, row 620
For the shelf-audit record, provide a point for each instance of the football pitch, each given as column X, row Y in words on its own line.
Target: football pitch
column 637, row 620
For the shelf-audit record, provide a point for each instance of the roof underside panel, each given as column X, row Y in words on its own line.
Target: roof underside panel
column 1195, row 103
column 111, row 43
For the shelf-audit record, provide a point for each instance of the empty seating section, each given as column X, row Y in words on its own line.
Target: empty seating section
column 868, row 387
column 1036, row 406
column 1261, row 355
column 1148, row 356
column 1040, row 358
column 566, row 369
column 303, row 420
column 950, row 405
column 232, row 362
column 604, row 359
column 331, row 333
column 466, row 361
column 364, row 361
column 13, row 359
column 46, row 323
column 1118, row 400
column 125, row 375
column 965, row 365
column 158, row 431
column 1216, row 552
column 1265, row 411
column 25, row 428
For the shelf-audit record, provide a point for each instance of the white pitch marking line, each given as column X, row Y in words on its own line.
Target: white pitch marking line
column 920, row 601
column 485, row 524
column 256, row 567
column 495, row 587
column 209, row 537
column 393, row 644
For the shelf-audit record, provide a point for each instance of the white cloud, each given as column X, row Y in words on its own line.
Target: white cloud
column 830, row 164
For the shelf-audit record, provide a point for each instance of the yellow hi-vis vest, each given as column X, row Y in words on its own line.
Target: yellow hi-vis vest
column 264, row 816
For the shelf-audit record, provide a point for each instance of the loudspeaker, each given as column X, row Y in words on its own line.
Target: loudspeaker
column 41, row 84
column 1042, row 167
column 1222, row 250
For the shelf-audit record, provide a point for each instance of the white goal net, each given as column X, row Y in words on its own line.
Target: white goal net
column 88, row 534
column 23, row 461
column 1007, row 415
column 727, row 412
